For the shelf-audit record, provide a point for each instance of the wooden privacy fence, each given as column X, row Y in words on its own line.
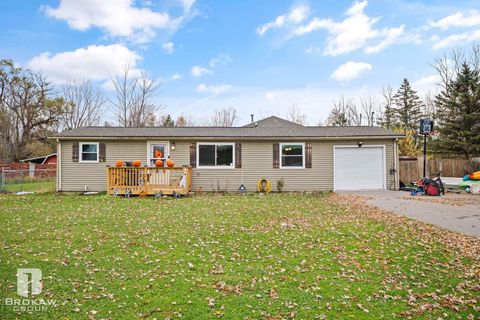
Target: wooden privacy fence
column 411, row 169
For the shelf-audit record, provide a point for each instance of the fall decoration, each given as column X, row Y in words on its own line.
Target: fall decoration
column 170, row 163
column 137, row 163
column 159, row 163
column 158, row 154
column 119, row 164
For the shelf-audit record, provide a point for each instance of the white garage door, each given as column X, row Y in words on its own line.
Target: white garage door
column 359, row 168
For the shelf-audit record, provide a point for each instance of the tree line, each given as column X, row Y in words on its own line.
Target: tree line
column 455, row 108
column 31, row 108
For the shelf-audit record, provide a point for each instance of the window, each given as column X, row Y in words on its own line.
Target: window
column 217, row 155
column 89, row 152
column 292, row 155
column 157, row 151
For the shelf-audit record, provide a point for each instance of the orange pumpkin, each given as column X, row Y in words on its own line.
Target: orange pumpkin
column 158, row 154
column 119, row 164
column 137, row 163
column 159, row 164
column 170, row 163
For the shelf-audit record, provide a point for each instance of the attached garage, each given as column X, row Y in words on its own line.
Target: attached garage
column 359, row 168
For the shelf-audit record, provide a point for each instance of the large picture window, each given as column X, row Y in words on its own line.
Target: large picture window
column 215, row 155
column 292, row 155
column 89, row 152
column 157, row 151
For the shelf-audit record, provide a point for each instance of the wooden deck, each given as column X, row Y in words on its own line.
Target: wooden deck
column 144, row 181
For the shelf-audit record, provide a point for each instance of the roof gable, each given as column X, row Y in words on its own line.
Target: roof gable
column 273, row 122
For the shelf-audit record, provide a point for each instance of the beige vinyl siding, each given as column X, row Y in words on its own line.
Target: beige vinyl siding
column 256, row 164
column 77, row 175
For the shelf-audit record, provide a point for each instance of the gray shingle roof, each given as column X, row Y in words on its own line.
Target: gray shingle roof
column 272, row 127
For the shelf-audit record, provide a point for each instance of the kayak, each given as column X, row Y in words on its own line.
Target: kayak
column 475, row 175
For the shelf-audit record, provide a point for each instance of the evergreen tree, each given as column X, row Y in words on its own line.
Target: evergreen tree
column 408, row 107
column 459, row 114
column 388, row 120
column 167, row 121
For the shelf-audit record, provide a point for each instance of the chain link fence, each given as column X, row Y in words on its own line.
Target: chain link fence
column 37, row 180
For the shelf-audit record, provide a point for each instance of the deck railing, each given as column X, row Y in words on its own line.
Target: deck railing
column 149, row 181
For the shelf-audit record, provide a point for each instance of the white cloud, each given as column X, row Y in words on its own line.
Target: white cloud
column 199, row 71
column 350, row 70
column 214, row 89
column 356, row 31
column 456, row 39
column 314, row 50
column 297, row 15
column 428, row 83
column 459, row 19
column 90, row 63
column 221, row 59
column 168, row 47
column 117, row 18
column 187, row 4
column 392, row 35
column 176, row 76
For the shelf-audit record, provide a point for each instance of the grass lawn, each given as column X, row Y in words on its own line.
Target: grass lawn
column 233, row 257
column 39, row 186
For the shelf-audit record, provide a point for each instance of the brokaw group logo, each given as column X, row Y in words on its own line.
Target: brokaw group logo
column 23, row 283
column 29, row 283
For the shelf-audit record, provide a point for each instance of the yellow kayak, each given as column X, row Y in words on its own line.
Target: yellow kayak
column 475, row 175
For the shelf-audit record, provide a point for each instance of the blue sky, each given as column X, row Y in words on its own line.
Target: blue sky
column 258, row 56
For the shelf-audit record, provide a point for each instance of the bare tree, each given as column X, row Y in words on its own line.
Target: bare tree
column 133, row 98
column 27, row 109
column 430, row 106
column 84, row 105
column 226, row 117
column 344, row 113
column 295, row 114
column 386, row 110
column 184, row 121
column 448, row 66
column 367, row 104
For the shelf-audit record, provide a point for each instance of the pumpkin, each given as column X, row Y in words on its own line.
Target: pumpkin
column 170, row 163
column 137, row 163
column 159, row 163
column 119, row 164
column 158, row 154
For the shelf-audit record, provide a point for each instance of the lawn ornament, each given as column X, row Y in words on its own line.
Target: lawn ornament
column 183, row 180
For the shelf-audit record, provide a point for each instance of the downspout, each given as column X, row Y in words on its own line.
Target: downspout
column 395, row 165
column 59, row 165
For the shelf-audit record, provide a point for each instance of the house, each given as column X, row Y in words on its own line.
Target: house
column 47, row 159
column 307, row 158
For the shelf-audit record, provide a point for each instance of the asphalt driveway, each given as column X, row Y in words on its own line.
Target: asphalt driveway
column 456, row 212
